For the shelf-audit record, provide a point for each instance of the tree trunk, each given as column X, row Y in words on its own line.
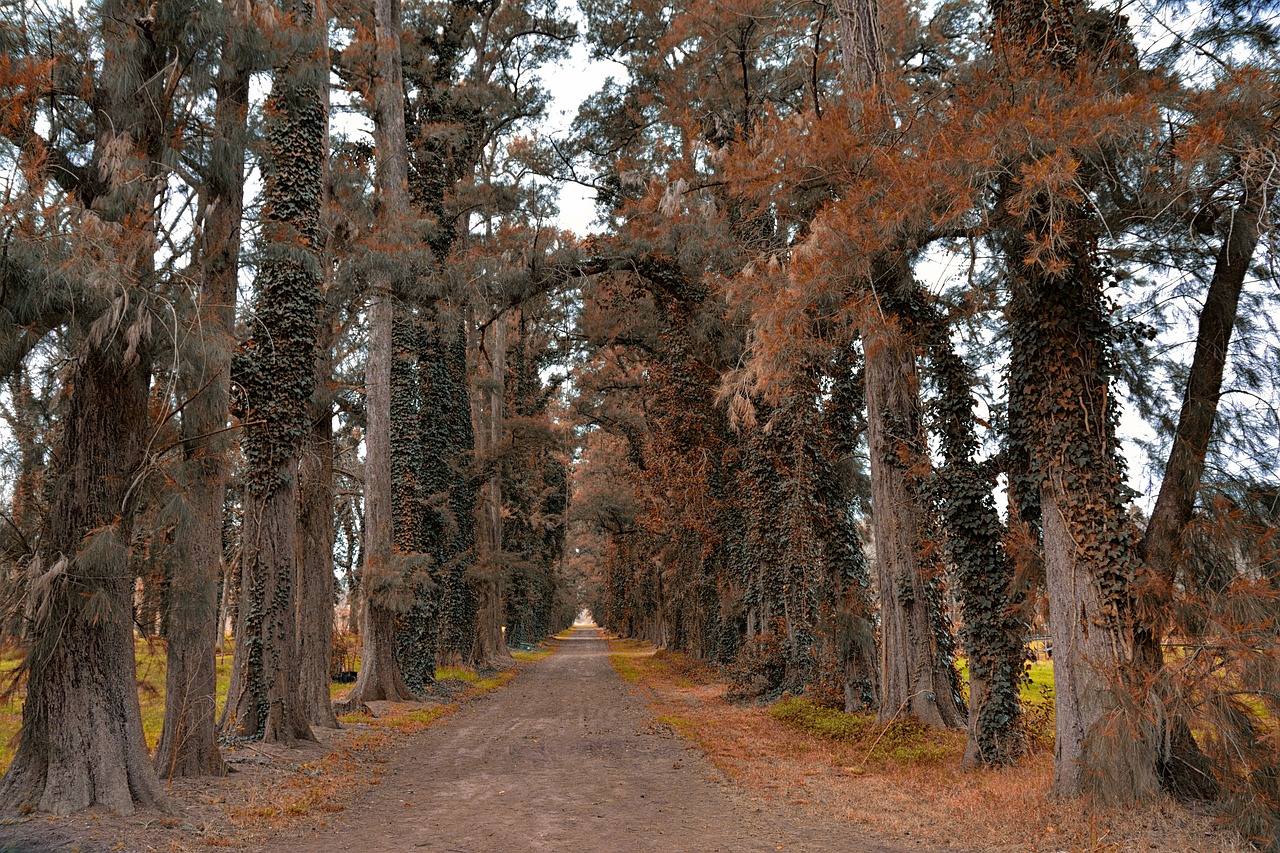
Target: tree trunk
column 264, row 701
column 1162, row 545
column 81, row 742
column 380, row 676
column 277, row 372
column 916, row 674
column 1104, row 739
column 315, row 542
column 188, row 740
column 489, row 648
column 1182, row 766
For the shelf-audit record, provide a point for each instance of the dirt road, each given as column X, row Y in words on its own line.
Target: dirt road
column 565, row 758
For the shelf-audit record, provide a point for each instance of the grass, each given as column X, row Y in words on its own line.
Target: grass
column 152, row 666
column 532, row 655
column 901, row 782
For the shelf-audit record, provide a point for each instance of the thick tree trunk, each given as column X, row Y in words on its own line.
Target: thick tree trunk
column 489, row 648
column 1105, row 742
column 315, row 494
column 264, row 701
column 315, row 542
column 188, row 740
column 81, row 742
column 1100, row 744
column 916, row 674
column 278, row 375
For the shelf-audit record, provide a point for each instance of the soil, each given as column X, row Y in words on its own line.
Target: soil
column 566, row 757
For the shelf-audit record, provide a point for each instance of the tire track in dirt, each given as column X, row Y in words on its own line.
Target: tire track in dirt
column 564, row 758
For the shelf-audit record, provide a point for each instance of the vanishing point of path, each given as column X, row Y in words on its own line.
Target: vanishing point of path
column 561, row 759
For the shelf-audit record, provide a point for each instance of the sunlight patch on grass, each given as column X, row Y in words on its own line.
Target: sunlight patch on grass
column 533, row 655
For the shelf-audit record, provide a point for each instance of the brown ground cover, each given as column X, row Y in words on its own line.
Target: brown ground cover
column 901, row 783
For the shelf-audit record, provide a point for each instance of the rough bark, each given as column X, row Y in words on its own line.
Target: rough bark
column 81, row 742
column 916, row 676
column 1105, row 744
column 489, row 648
column 277, row 371
column 861, row 48
column 188, row 740
column 315, row 542
column 380, row 676
column 264, row 700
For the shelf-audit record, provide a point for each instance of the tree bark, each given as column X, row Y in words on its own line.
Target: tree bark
column 380, row 676
column 81, row 742
column 1183, row 767
column 489, row 648
column 277, row 371
column 1161, row 544
column 1105, row 743
column 916, row 675
column 315, row 541
column 264, row 701
column 188, row 740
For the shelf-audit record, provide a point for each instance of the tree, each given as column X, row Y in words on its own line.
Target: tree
column 188, row 741
column 81, row 742
column 380, row 676
column 277, row 371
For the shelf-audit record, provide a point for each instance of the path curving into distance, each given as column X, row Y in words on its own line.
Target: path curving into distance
column 562, row 759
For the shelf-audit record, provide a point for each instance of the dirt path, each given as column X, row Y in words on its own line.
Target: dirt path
column 562, row 759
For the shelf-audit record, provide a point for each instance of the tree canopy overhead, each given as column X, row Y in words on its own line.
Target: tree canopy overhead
column 910, row 332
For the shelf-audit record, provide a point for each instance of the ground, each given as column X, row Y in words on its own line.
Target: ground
column 566, row 754
column 564, row 758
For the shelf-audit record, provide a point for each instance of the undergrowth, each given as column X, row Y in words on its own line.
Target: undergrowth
column 905, row 740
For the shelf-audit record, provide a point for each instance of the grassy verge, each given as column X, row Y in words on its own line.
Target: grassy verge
column 901, row 782
column 150, row 655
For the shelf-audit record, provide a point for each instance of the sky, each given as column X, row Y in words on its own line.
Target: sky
column 570, row 83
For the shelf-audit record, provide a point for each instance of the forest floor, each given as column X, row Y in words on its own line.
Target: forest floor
column 568, row 755
column 902, row 783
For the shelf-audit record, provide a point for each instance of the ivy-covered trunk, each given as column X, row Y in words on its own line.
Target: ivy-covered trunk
column 852, row 614
column 489, row 648
column 1104, row 739
column 277, row 371
column 447, row 448
column 985, row 586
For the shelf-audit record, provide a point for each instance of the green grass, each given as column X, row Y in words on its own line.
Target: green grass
column 1036, row 690
column 152, row 666
column 903, row 741
column 533, row 655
